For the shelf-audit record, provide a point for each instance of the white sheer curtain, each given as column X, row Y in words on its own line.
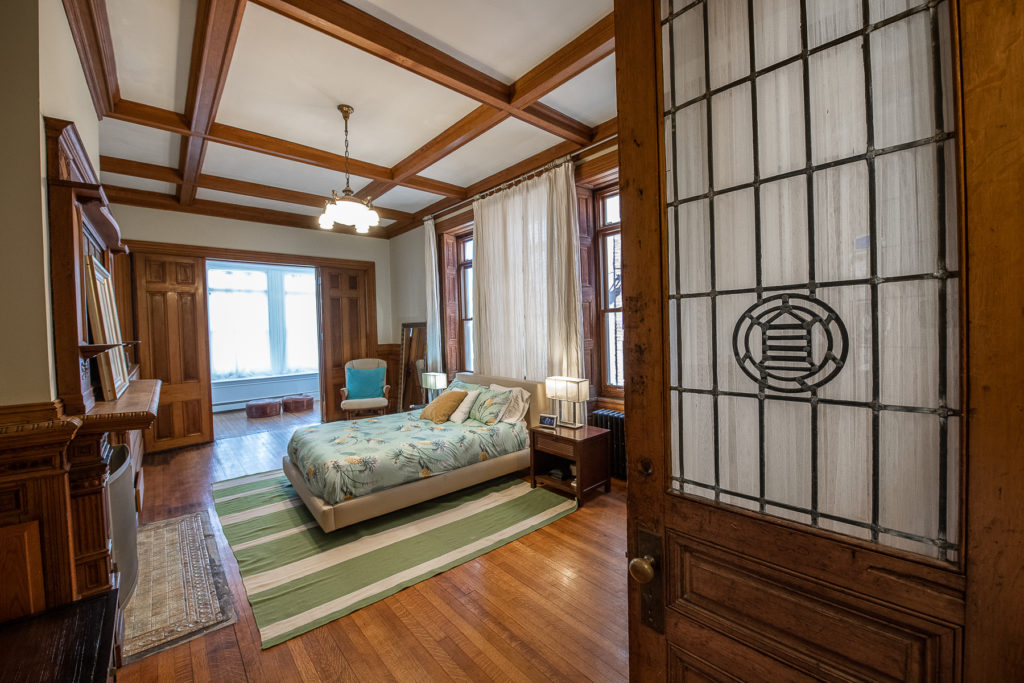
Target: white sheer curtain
column 528, row 320
column 433, row 289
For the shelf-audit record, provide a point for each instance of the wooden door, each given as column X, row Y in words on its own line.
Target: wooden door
column 818, row 517
column 170, row 293
column 347, row 330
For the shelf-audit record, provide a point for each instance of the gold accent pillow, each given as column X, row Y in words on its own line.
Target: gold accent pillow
column 442, row 407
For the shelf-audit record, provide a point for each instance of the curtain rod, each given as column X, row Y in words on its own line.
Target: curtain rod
column 509, row 183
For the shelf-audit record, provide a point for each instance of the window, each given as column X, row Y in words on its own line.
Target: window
column 262, row 320
column 465, row 267
column 609, row 239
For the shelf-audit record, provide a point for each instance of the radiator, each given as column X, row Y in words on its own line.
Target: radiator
column 615, row 422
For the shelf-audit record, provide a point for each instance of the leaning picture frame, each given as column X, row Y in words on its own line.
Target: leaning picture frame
column 547, row 421
column 106, row 329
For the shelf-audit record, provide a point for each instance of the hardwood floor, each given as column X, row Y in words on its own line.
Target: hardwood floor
column 549, row 606
column 233, row 423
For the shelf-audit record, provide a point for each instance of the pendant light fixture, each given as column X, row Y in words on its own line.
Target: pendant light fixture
column 348, row 209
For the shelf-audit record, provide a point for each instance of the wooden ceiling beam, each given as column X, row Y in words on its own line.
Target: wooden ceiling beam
column 167, row 202
column 139, row 169
column 370, row 34
column 166, row 174
column 586, row 50
column 577, row 56
column 90, row 29
column 216, row 32
column 148, row 115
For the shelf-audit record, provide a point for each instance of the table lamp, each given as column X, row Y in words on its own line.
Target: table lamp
column 574, row 390
column 432, row 381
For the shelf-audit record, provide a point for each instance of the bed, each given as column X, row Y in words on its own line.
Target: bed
column 364, row 491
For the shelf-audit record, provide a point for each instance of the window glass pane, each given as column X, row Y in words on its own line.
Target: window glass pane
column 611, row 209
column 615, row 371
column 467, row 292
column 613, row 270
column 301, row 352
column 239, row 334
column 467, row 335
column 467, row 250
column 250, row 280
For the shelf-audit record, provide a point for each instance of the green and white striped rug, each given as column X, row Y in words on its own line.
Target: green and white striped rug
column 297, row 577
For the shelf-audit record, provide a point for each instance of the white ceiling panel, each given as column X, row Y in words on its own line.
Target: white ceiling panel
column 502, row 39
column 287, row 80
column 243, row 164
column 137, row 183
column 259, row 202
column 506, row 144
column 139, row 143
column 590, row 97
column 406, row 199
column 152, row 49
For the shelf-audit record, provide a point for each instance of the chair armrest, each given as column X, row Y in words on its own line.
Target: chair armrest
column 344, row 393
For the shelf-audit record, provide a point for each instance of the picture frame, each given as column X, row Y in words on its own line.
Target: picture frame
column 548, row 421
column 106, row 329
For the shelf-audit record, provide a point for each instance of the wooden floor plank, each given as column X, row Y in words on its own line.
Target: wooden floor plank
column 549, row 606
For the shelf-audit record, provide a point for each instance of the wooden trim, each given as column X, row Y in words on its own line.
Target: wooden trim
column 642, row 193
column 991, row 145
column 587, row 49
column 213, row 43
column 600, row 230
column 205, row 207
column 599, row 170
column 456, row 223
column 244, row 255
column 22, row 413
column 148, row 115
column 140, row 169
column 90, row 29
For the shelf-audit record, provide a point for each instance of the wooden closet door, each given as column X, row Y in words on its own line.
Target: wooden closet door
column 345, row 331
column 171, row 295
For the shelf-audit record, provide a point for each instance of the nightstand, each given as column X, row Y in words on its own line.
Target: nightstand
column 588, row 448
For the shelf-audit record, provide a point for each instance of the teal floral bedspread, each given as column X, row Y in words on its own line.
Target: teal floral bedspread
column 342, row 460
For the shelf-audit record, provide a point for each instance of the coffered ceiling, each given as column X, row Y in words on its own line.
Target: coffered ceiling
column 228, row 107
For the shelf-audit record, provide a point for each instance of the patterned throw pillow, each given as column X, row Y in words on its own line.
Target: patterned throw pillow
column 465, row 386
column 489, row 406
column 518, row 404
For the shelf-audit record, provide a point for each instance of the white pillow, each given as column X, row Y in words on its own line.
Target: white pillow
column 462, row 412
column 517, row 406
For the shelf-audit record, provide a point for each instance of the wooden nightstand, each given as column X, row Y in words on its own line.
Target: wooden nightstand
column 587, row 447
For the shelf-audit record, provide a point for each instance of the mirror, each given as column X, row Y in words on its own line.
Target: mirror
column 414, row 362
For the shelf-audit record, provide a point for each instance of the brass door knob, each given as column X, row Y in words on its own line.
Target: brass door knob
column 642, row 569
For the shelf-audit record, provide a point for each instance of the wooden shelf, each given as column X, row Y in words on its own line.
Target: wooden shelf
column 135, row 409
column 559, row 484
column 87, row 351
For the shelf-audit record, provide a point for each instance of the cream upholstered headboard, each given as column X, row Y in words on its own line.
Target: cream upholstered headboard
column 538, row 398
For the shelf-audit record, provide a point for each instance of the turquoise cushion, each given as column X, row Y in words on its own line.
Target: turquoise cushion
column 365, row 383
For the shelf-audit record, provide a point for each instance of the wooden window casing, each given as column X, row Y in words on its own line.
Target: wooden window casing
column 605, row 228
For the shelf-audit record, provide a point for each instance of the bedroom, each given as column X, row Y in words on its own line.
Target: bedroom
column 212, row 156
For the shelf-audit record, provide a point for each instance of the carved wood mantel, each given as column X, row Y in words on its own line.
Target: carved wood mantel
column 89, row 458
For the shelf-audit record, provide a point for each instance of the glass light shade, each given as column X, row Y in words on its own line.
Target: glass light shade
column 348, row 211
column 573, row 389
column 326, row 222
column 434, row 380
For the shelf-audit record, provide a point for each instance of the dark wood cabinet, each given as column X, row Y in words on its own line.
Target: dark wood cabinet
column 581, row 455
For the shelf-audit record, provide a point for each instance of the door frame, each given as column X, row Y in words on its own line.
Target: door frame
column 989, row 95
column 248, row 256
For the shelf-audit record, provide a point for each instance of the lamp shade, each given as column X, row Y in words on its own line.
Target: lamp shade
column 573, row 389
column 434, row 380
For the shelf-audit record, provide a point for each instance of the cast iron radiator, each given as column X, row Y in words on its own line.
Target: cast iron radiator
column 615, row 422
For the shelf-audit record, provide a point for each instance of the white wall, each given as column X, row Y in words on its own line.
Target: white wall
column 408, row 280
column 42, row 77
column 63, row 92
column 154, row 225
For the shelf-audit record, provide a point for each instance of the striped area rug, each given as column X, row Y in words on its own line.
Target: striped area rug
column 297, row 577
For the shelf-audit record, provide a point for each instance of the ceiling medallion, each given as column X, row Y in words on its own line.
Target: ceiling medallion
column 348, row 209
column 790, row 343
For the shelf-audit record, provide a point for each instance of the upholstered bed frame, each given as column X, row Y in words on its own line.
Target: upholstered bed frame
column 331, row 517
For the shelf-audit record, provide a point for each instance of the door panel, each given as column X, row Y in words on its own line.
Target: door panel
column 171, row 291
column 345, row 309
column 790, row 311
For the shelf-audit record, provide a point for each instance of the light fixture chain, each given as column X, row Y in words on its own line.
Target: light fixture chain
column 347, row 186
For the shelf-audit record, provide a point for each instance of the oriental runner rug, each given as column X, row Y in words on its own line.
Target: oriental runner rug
column 181, row 592
column 297, row 577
